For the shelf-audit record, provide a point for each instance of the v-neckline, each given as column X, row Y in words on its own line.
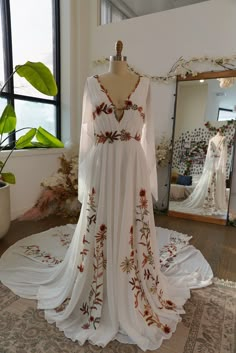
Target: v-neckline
column 106, row 91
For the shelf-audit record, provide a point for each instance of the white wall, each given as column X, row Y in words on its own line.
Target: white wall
column 153, row 43
column 29, row 167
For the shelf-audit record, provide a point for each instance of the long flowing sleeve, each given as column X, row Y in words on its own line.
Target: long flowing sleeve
column 86, row 143
column 148, row 144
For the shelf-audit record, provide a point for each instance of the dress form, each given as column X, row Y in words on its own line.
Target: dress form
column 119, row 81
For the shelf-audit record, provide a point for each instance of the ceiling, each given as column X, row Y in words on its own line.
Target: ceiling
column 141, row 7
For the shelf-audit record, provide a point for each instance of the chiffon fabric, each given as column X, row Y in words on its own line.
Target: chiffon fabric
column 209, row 196
column 113, row 281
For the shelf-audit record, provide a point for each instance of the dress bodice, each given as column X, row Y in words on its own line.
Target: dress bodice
column 107, row 126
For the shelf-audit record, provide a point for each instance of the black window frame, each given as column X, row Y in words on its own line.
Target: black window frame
column 9, row 93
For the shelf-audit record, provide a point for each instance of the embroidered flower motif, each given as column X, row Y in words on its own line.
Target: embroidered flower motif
column 92, row 308
column 125, row 135
column 111, row 137
column 62, row 307
column 127, row 265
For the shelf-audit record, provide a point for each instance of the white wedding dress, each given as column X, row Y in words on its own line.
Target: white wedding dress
column 120, row 278
column 209, row 196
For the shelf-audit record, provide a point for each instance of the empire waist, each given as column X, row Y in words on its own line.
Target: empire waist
column 115, row 136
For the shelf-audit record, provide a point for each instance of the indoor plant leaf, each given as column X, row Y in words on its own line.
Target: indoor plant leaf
column 8, row 178
column 24, row 140
column 48, row 139
column 8, row 120
column 39, row 76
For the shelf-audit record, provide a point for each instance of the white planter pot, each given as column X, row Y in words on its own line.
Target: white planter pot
column 5, row 213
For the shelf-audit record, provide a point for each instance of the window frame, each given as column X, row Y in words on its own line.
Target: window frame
column 9, row 93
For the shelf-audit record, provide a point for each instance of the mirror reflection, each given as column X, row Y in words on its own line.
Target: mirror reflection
column 202, row 161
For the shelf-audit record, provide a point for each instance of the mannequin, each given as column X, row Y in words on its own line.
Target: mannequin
column 119, row 81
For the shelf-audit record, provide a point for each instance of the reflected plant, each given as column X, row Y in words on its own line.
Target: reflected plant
column 41, row 78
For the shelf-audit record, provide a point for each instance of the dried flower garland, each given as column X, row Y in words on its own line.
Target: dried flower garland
column 184, row 67
column 229, row 125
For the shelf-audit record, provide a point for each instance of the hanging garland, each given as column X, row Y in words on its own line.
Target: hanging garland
column 229, row 125
column 183, row 67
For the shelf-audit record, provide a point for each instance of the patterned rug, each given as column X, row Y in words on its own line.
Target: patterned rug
column 209, row 326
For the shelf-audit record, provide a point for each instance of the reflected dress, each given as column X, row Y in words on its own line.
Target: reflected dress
column 111, row 284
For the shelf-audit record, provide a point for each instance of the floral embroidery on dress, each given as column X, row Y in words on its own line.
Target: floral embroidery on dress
column 91, row 219
column 108, row 109
column 111, row 137
column 62, row 306
column 44, row 256
column 130, row 265
column 65, row 238
column 209, row 202
column 93, row 307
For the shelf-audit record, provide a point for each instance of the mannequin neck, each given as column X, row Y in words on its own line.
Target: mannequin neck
column 118, row 67
column 219, row 133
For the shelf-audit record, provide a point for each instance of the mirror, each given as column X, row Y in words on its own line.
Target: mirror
column 203, row 147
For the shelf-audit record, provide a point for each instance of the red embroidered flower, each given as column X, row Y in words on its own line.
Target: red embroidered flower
column 128, row 103
column 103, row 228
column 140, row 109
column 109, row 110
column 93, row 191
column 166, row 329
column 98, row 110
column 169, row 302
column 81, row 268
column 132, row 253
column 146, row 312
column 142, row 193
column 86, row 326
column 91, row 318
column 131, row 230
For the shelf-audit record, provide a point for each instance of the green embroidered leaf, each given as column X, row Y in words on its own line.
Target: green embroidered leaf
column 39, row 76
column 8, row 178
column 8, row 120
column 24, row 140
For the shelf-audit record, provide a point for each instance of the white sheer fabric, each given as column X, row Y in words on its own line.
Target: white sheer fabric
column 113, row 282
column 209, row 195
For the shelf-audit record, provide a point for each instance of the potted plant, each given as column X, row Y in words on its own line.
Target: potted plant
column 41, row 78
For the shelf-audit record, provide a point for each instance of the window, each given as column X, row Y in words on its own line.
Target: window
column 29, row 31
column 226, row 114
column 118, row 10
column 111, row 13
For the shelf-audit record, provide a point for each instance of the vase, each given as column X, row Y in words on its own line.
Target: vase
column 5, row 211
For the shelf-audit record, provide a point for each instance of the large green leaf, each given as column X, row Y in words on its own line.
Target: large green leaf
column 8, row 178
column 24, row 140
column 47, row 139
column 39, row 76
column 8, row 120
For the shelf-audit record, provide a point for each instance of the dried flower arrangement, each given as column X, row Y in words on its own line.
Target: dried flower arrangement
column 163, row 152
column 60, row 193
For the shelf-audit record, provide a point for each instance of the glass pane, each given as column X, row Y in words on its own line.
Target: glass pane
column 3, row 103
column 31, row 114
column 116, row 10
column 32, row 37
column 2, row 78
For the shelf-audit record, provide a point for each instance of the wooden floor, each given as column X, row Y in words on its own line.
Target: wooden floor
column 216, row 242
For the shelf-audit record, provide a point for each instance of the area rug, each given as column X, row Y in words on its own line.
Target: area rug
column 209, row 326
